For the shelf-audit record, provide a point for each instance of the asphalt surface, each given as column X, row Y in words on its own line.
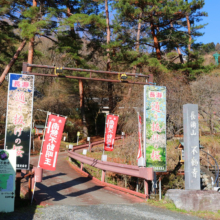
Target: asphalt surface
column 72, row 196
column 67, row 187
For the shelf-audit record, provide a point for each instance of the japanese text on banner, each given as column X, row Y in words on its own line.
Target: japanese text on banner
column 110, row 131
column 155, row 113
column 52, row 141
column 19, row 117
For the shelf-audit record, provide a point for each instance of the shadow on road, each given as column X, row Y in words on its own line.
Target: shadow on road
column 52, row 176
column 23, row 210
column 81, row 192
column 62, row 190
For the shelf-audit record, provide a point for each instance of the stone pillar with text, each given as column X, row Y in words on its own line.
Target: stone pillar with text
column 191, row 147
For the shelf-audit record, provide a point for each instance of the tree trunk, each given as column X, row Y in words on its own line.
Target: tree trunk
column 31, row 46
column 108, row 38
column 73, row 33
column 82, row 109
column 138, row 40
column 12, row 61
column 81, row 90
column 156, row 43
column 108, row 34
column 178, row 49
column 137, row 49
column 180, row 55
column 158, row 30
column 189, row 31
column 30, row 53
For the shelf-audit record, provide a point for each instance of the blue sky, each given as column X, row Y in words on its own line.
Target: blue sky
column 212, row 30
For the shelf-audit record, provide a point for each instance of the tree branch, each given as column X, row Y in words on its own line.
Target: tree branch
column 42, row 35
column 8, row 67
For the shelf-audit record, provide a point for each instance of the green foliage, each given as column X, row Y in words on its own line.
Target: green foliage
column 203, row 48
column 33, row 24
column 174, row 182
column 195, row 66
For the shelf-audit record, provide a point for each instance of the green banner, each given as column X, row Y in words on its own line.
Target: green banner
column 155, row 127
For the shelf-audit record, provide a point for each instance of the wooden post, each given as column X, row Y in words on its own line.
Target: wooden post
column 24, row 67
column 29, row 185
column 90, row 146
column 160, row 194
column 151, row 78
column 137, row 183
column 81, row 166
column 103, row 175
column 146, row 190
column 18, row 184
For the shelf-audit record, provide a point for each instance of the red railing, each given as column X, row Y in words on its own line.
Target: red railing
column 130, row 170
column 83, row 146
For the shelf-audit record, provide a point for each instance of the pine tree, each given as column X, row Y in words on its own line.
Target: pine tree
column 160, row 15
column 9, row 38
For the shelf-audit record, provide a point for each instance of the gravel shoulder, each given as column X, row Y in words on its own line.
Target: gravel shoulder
column 109, row 212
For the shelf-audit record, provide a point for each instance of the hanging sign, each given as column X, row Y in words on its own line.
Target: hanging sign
column 7, row 180
column 51, row 145
column 139, row 137
column 19, row 117
column 110, row 131
column 155, row 127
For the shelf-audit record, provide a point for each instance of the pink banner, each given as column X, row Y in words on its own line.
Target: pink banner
column 139, row 136
column 110, row 131
column 53, row 135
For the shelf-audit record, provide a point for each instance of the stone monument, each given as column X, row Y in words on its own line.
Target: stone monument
column 191, row 147
column 192, row 198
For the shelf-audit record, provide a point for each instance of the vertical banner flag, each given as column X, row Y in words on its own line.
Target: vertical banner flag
column 19, row 117
column 110, row 131
column 51, row 145
column 139, row 137
column 155, row 127
column 7, row 180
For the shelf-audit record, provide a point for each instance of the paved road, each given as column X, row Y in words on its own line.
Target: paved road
column 67, row 187
column 71, row 196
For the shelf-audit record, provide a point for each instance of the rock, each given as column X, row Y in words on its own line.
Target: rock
column 194, row 200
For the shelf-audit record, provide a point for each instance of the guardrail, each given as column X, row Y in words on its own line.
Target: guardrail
column 83, row 146
column 216, row 167
column 130, row 170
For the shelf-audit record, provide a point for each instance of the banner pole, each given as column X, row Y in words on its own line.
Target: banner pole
column 144, row 139
column 104, row 135
column 138, row 132
column 48, row 113
column 144, row 130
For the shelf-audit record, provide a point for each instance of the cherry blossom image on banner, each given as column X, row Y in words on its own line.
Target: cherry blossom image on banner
column 110, row 131
column 155, row 116
column 53, row 136
column 19, row 117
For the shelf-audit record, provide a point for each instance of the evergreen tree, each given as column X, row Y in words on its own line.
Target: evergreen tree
column 159, row 15
column 9, row 38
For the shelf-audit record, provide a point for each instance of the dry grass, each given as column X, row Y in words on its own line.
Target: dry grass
column 169, row 205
